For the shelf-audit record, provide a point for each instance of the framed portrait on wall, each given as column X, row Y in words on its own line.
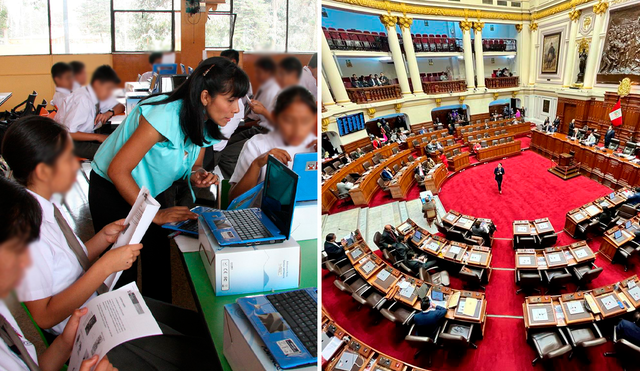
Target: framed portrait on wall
column 550, row 53
column 545, row 105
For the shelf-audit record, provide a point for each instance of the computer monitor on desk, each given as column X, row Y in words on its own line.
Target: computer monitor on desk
column 165, row 68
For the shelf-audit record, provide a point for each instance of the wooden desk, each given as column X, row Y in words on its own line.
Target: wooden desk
column 459, row 161
column 367, row 185
column 554, row 257
column 610, row 243
column 405, row 179
column 590, row 210
column 499, row 151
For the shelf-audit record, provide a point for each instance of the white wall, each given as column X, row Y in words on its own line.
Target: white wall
column 366, row 66
column 534, row 104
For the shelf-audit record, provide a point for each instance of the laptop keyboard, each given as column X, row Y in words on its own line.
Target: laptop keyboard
column 246, row 224
column 191, row 226
column 299, row 310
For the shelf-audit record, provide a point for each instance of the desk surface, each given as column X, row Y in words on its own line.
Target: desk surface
column 212, row 306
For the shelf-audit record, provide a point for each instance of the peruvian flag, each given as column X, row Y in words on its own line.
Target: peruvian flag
column 616, row 114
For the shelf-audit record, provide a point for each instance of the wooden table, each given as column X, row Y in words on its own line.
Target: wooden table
column 590, row 210
column 367, row 185
column 435, row 177
column 499, row 151
column 405, row 179
column 611, row 244
column 459, row 161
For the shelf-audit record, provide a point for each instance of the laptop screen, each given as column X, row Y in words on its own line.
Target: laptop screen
column 279, row 195
column 617, row 235
column 177, row 80
column 628, row 224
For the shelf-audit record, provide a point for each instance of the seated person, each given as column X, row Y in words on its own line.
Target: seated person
column 433, row 147
column 634, row 199
column 309, row 76
column 334, row 250
column 402, row 137
column 477, row 147
column 154, row 58
column 428, row 320
column 90, row 107
column 19, row 226
column 386, row 174
column 265, row 70
column 344, row 186
column 62, row 278
column 392, row 240
column 606, row 216
column 419, row 170
column 629, row 331
column 62, row 75
column 430, row 163
column 591, row 139
column 295, row 117
column 478, row 230
column 422, row 130
column 79, row 74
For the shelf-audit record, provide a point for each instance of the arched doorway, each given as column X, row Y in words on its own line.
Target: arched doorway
column 395, row 121
column 457, row 112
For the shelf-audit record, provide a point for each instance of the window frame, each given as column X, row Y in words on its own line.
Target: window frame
column 113, row 26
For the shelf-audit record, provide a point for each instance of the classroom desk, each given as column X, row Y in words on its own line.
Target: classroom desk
column 499, row 151
column 367, row 185
column 404, row 179
column 588, row 211
column 554, row 257
column 212, row 307
column 603, row 166
column 533, row 228
column 569, row 309
column 611, row 244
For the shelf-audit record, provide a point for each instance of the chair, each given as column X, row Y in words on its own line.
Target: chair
column 585, row 273
column 424, row 140
column 494, row 142
column 388, row 256
column 394, row 150
column 624, row 348
column 342, row 268
column 411, row 158
column 454, row 334
column 557, row 278
column 441, row 228
column 397, row 313
column 437, row 278
column 456, row 235
column 396, row 168
column 375, row 160
column 366, row 165
column 627, row 211
column 625, row 252
column 510, row 139
column 419, row 180
column 483, row 144
column 472, row 276
column 328, row 170
column 369, row 297
column 583, row 337
column 421, row 343
column 549, row 344
column 528, row 280
column 337, row 165
column 351, row 284
column 502, row 141
column 548, row 239
column 415, row 143
column 383, row 185
column 342, row 198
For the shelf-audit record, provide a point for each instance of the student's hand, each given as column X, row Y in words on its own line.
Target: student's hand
column 103, row 118
column 203, row 179
column 257, row 107
column 104, row 365
column 100, row 137
column 68, row 336
column 313, row 145
column 174, row 214
column 112, row 231
column 282, row 156
column 120, row 259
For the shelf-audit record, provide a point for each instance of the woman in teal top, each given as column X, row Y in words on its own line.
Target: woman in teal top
column 160, row 142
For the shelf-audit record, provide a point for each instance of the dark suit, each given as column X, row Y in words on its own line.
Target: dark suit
column 499, row 172
column 427, row 322
column 633, row 199
column 629, row 331
column 481, row 232
column 334, row 250
column 608, row 136
column 571, row 129
column 386, row 175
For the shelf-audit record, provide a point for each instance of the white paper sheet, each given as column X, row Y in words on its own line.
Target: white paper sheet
column 609, row 302
column 433, row 246
column 575, row 307
column 539, row 314
column 554, row 258
column 635, row 293
column 140, row 217
column 383, row 275
column 454, row 249
column 581, row 253
column 408, row 291
column 113, row 318
column 475, row 258
column 524, row 260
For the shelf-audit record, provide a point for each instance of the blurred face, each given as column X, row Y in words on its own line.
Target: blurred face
column 262, row 76
column 220, row 108
column 103, row 90
column 65, row 80
column 286, row 79
column 14, row 260
column 60, row 177
column 81, row 77
column 295, row 123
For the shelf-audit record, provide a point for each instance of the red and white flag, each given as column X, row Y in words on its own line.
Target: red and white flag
column 616, row 114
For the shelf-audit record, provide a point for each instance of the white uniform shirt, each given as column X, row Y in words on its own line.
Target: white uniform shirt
column 80, row 110
column 263, row 143
column 230, row 127
column 55, row 266
column 146, row 77
column 267, row 95
column 59, row 98
column 308, row 81
column 76, row 86
column 9, row 361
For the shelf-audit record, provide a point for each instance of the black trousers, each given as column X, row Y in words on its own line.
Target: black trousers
column 499, row 180
column 107, row 205
column 85, row 149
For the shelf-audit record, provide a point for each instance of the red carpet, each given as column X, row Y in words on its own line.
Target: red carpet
column 530, row 192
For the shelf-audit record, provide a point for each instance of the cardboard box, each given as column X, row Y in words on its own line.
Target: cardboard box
column 243, row 348
column 305, row 221
column 249, row 269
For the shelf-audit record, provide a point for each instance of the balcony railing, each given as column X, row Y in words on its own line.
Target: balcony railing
column 441, row 87
column 501, row 82
column 374, row 94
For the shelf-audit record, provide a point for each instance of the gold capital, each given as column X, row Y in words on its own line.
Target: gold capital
column 398, row 107
column 495, row 96
column 533, row 26
column 405, row 22
column 583, row 45
column 371, row 112
column 478, row 26
column 325, row 124
column 574, row 15
column 601, row 7
column 461, row 99
column 388, row 20
column 466, row 25
column 518, row 27
column 438, row 102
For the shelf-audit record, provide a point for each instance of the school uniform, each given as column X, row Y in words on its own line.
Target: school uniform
column 55, row 267
column 308, row 81
column 263, row 143
column 146, row 77
column 224, row 154
column 9, row 360
column 267, row 95
column 76, row 86
column 59, row 98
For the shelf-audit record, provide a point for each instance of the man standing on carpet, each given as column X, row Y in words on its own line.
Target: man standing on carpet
column 499, row 172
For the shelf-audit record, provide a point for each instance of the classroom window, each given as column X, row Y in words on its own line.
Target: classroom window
column 79, row 29
column 143, row 25
column 24, row 27
column 264, row 25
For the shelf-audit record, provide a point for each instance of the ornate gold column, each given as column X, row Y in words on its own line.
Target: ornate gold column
column 465, row 26
column 533, row 56
column 412, row 61
column 389, row 23
column 477, row 27
column 333, row 74
column 327, row 99
column 600, row 9
column 569, row 67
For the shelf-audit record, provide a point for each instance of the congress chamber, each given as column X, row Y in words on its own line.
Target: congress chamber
column 480, row 185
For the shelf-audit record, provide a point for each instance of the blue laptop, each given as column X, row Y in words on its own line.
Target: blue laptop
column 287, row 323
column 271, row 223
column 189, row 226
column 306, row 166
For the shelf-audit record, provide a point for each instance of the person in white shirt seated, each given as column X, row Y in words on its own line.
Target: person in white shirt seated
column 67, row 273
column 62, row 76
column 79, row 74
column 591, row 138
column 19, row 226
column 288, row 74
column 265, row 70
column 90, row 107
column 295, row 116
column 153, row 59
column 344, row 186
column 309, row 78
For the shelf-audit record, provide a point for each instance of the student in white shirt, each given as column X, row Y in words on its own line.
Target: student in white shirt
column 88, row 108
column 19, row 226
column 153, row 59
column 39, row 152
column 62, row 76
column 295, row 117
column 288, row 74
column 79, row 74
column 309, row 78
column 265, row 70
